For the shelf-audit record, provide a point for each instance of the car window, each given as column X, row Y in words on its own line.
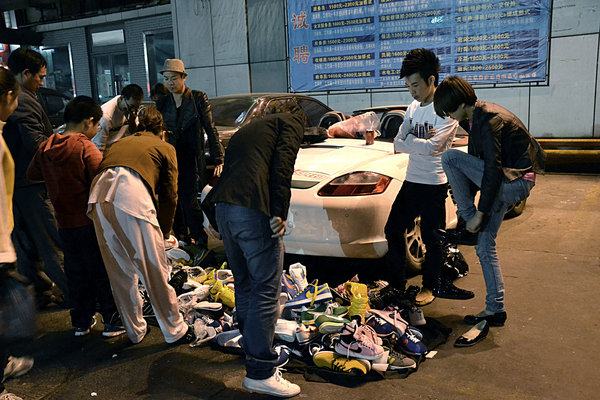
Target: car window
column 314, row 111
column 390, row 126
column 231, row 111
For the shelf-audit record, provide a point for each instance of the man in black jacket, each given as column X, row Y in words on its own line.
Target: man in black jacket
column 502, row 162
column 252, row 199
column 188, row 115
column 35, row 234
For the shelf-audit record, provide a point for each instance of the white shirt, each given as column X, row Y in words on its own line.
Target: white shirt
column 124, row 188
column 113, row 125
column 425, row 160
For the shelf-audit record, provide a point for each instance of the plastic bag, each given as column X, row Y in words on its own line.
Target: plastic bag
column 355, row 127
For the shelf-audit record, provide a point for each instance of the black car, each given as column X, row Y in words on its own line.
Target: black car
column 54, row 104
column 232, row 111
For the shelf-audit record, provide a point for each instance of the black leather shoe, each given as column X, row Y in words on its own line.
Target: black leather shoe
column 474, row 335
column 445, row 289
column 458, row 236
column 497, row 319
column 188, row 338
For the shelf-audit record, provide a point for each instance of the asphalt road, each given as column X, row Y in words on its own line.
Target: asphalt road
column 549, row 348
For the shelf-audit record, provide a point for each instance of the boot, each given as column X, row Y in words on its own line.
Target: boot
column 445, row 289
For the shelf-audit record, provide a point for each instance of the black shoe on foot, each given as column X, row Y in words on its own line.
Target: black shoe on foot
column 497, row 319
column 445, row 289
column 458, row 236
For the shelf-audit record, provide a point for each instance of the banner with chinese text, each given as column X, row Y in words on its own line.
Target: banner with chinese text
column 360, row 44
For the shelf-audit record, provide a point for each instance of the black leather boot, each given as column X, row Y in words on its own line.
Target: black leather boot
column 445, row 289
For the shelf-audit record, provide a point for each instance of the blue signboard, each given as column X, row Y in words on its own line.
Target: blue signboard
column 358, row 44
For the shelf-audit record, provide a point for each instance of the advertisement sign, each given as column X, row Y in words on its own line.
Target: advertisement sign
column 360, row 44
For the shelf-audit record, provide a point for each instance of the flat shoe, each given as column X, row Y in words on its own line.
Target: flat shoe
column 474, row 335
column 496, row 319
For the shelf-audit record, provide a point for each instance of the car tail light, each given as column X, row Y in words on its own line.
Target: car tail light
column 356, row 184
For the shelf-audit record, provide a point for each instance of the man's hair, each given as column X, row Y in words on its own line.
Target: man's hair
column 451, row 93
column 158, row 89
column 287, row 107
column 7, row 82
column 80, row 108
column 132, row 91
column 151, row 120
column 423, row 61
column 23, row 58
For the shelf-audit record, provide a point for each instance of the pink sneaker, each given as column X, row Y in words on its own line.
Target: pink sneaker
column 356, row 343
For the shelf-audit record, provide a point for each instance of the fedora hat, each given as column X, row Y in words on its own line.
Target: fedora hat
column 174, row 65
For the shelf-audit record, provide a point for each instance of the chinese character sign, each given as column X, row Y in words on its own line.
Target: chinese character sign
column 359, row 44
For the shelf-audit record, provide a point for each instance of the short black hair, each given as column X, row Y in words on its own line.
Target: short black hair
column 80, row 108
column 451, row 93
column 24, row 58
column 423, row 61
column 132, row 91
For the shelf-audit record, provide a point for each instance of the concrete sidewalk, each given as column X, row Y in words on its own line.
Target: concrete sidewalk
column 549, row 348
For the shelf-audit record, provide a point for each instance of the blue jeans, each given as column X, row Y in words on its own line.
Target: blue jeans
column 463, row 171
column 256, row 261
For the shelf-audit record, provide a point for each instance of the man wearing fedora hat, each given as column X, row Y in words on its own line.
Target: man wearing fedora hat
column 188, row 115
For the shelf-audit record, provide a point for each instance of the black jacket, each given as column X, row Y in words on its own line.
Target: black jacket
column 501, row 140
column 195, row 118
column 259, row 163
column 26, row 129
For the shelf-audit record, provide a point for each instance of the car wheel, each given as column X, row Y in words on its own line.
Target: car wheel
column 415, row 248
column 515, row 210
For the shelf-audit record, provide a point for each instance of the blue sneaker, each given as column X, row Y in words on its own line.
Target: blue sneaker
column 383, row 328
column 288, row 286
column 314, row 293
column 411, row 345
column 283, row 353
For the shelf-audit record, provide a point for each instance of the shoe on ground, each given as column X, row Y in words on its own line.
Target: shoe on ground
column 391, row 316
column 494, row 319
column 330, row 323
column 416, row 316
column 298, row 274
column 288, row 286
column 354, row 343
column 306, row 333
column 228, row 338
column 222, row 293
column 113, row 330
column 309, row 316
column 283, row 355
column 17, row 366
column 311, row 295
column 398, row 361
column 474, row 335
column 9, row 396
column 445, row 289
column 410, row 344
column 424, row 297
column 339, row 363
column 276, row 385
column 286, row 330
column 79, row 331
column 188, row 338
column 359, row 300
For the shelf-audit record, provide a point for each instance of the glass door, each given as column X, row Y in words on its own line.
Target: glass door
column 112, row 74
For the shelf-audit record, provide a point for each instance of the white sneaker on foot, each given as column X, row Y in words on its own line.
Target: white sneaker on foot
column 276, row 385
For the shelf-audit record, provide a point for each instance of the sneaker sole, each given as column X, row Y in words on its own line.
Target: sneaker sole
column 270, row 393
column 113, row 334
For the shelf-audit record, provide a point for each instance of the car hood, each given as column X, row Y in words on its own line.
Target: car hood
column 334, row 157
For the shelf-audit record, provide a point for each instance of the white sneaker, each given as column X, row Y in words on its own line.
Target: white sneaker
column 17, row 366
column 416, row 316
column 286, row 330
column 276, row 385
column 298, row 273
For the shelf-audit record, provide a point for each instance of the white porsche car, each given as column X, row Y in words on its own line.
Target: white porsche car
column 342, row 189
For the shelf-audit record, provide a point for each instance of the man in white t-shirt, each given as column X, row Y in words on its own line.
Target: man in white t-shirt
column 119, row 117
column 425, row 136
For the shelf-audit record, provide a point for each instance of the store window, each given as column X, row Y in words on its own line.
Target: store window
column 59, row 71
column 158, row 47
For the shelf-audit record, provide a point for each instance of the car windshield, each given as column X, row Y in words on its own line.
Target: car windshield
column 231, row 111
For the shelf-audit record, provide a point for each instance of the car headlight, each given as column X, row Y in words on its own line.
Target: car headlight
column 356, row 184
